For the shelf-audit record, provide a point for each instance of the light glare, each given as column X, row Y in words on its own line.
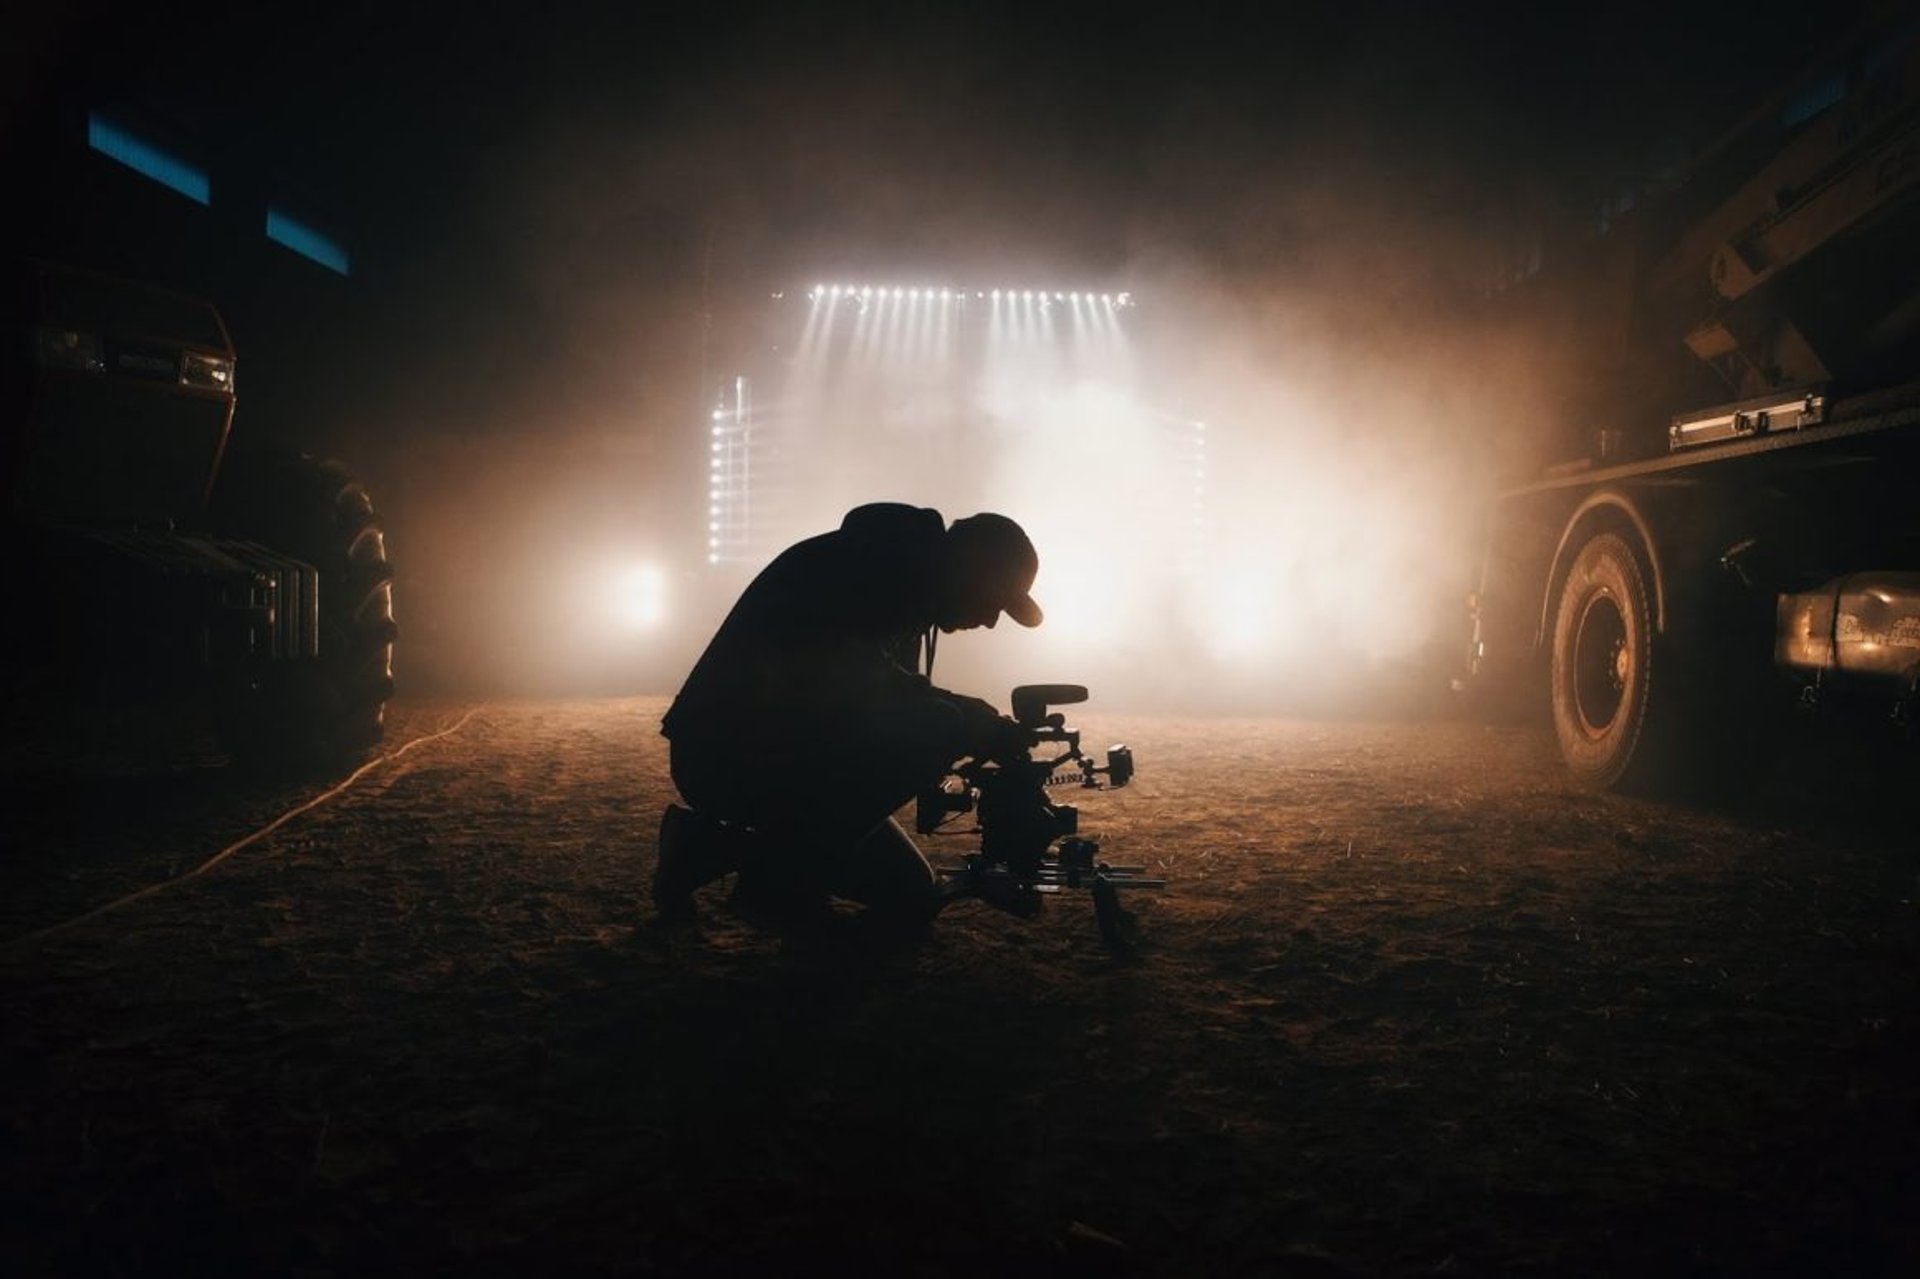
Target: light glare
column 641, row 600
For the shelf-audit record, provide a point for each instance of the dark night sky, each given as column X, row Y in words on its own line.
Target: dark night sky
column 546, row 202
column 572, row 179
column 1063, row 129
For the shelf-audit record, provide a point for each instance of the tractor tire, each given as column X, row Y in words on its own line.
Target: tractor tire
column 327, row 712
column 1611, row 703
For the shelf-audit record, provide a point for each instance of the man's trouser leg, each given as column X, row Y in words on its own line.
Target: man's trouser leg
column 822, row 805
column 886, row 872
column 872, row 860
column 693, row 851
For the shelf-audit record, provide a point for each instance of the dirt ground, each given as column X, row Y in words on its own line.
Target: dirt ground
column 1410, row 1005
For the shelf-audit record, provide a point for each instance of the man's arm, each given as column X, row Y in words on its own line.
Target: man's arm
column 983, row 731
column 987, row 733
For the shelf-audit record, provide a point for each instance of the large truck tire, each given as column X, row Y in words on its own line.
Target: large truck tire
column 330, row 711
column 1609, row 685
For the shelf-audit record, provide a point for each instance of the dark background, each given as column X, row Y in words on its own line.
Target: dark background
column 1411, row 1004
column 564, row 220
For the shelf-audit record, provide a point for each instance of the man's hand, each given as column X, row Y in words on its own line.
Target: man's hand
column 1005, row 740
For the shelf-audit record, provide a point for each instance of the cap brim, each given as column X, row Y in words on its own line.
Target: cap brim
column 1023, row 610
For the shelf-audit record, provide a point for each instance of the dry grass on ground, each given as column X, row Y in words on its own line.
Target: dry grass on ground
column 1410, row 1005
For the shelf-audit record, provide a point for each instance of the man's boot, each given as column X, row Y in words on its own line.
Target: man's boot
column 694, row 851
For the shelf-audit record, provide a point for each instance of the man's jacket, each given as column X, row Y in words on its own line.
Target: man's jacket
column 827, row 633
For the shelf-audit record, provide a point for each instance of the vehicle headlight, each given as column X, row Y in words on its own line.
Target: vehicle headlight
column 213, row 372
column 641, row 599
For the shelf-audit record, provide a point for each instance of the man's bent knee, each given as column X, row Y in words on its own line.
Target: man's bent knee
column 885, row 871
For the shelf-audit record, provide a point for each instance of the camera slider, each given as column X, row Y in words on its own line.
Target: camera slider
column 1075, row 865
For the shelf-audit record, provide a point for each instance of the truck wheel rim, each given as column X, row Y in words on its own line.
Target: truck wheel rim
column 1602, row 663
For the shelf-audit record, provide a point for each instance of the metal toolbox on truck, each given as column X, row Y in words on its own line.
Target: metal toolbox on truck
column 1781, row 411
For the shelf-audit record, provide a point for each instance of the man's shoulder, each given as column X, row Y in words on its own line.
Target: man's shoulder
column 890, row 542
column 891, row 523
column 885, row 530
column 872, row 561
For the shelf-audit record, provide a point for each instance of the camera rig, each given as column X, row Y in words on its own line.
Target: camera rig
column 1019, row 825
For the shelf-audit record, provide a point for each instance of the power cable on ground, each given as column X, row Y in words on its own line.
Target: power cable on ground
column 307, row 806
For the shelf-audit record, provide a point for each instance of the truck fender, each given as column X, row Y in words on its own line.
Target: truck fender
column 1604, row 510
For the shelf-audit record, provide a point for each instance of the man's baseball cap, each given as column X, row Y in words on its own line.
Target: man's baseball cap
column 1006, row 559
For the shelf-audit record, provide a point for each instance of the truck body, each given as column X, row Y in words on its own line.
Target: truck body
column 166, row 568
column 1706, row 558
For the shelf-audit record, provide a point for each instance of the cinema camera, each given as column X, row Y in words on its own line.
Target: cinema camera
column 1018, row 825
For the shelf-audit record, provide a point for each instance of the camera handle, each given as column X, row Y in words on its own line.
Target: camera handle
column 1031, row 703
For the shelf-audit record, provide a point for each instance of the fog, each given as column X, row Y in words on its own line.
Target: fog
column 1305, row 221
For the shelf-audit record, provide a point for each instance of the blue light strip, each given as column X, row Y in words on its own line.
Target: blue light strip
column 1814, row 98
column 306, row 241
column 168, row 170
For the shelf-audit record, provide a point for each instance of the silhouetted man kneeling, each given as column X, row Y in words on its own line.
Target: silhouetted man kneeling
column 807, row 723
